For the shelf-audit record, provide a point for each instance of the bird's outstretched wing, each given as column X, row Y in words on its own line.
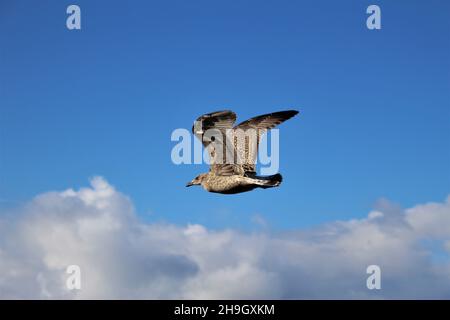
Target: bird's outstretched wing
column 211, row 130
column 234, row 150
column 247, row 136
column 220, row 120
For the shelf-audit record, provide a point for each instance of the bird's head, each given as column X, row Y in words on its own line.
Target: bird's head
column 197, row 180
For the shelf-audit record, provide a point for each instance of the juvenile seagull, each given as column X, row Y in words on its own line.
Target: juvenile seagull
column 233, row 151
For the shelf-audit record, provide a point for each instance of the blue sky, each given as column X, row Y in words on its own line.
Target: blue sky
column 104, row 100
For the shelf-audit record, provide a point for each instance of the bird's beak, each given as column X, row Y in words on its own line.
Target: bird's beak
column 189, row 184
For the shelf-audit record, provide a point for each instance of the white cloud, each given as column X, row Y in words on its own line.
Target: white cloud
column 431, row 219
column 122, row 257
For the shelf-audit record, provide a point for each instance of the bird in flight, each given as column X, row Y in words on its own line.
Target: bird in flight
column 233, row 151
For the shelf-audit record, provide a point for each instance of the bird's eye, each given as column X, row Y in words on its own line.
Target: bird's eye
column 213, row 138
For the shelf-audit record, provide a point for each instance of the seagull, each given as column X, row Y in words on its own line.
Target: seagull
column 233, row 151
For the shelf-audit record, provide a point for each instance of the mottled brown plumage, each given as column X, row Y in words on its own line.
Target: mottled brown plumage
column 233, row 150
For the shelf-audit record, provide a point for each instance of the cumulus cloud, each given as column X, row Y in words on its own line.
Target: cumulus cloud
column 97, row 229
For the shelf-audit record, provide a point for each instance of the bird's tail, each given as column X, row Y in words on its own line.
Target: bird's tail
column 270, row 181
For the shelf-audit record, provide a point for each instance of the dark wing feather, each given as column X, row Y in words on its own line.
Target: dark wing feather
column 220, row 120
column 267, row 121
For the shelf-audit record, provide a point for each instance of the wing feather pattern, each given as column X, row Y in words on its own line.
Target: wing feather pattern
column 212, row 130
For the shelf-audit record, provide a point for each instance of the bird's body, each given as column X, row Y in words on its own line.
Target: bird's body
column 237, row 183
column 233, row 151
